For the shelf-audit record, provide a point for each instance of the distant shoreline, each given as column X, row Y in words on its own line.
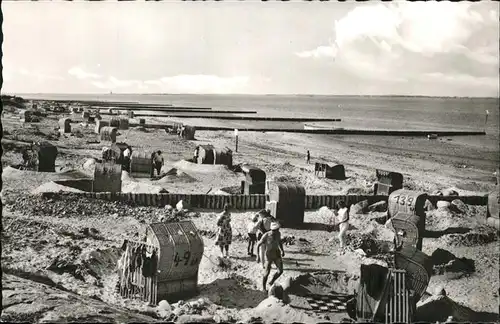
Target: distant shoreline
column 246, row 95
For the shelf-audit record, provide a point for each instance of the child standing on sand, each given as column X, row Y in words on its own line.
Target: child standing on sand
column 342, row 219
column 252, row 234
column 225, row 232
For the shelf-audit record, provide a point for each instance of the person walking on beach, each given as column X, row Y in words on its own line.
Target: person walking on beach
column 342, row 219
column 157, row 161
column 308, row 157
column 153, row 156
column 263, row 226
column 127, row 155
column 264, row 223
column 252, row 234
column 271, row 240
column 225, row 232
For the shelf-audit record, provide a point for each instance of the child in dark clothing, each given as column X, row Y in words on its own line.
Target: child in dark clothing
column 157, row 161
column 252, row 228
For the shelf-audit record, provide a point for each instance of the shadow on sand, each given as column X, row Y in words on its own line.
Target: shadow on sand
column 310, row 253
column 486, row 317
column 451, row 230
column 312, row 283
column 245, row 258
column 287, row 259
column 316, row 227
column 297, row 262
column 231, row 293
column 307, row 270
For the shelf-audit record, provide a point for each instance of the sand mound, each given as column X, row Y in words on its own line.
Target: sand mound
column 234, row 190
column 233, row 293
column 215, row 175
column 141, row 187
column 102, row 262
column 35, row 299
column 91, row 267
column 173, row 171
column 439, row 308
column 272, row 310
column 445, row 218
column 475, row 238
column 219, row 192
column 13, row 173
column 72, row 174
column 174, row 175
column 370, row 228
column 324, row 283
column 127, row 178
column 286, row 172
column 89, row 165
column 27, row 181
column 133, row 185
column 465, row 188
column 193, row 168
column 53, row 187
column 444, row 261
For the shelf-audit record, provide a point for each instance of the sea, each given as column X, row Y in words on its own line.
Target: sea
column 355, row 111
column 366, row 111
column 359, row 112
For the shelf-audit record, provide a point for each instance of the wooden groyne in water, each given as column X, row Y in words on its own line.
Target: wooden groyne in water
column 328, row 131
column 288, row 119
column 149, row 107
column 135, row 105
column 348, row 131
column 183, row 113
column 116, row 107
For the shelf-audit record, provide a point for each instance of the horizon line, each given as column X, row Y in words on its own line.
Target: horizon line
column 249, row 94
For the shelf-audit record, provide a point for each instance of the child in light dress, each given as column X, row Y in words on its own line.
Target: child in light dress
column 225, row 233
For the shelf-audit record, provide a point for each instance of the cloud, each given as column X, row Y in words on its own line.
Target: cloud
column 38, row 75
column 114, row 83
column 180, row 83
column 7, row 76
column 434, row 27
column 462, row 80
column 403, row 41
column 201, row 83
column 81, row 74
column 319, row 52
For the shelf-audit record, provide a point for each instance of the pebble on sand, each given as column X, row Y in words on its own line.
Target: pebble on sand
column 443, row 204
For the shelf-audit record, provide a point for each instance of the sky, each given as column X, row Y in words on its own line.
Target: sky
column 250, row 47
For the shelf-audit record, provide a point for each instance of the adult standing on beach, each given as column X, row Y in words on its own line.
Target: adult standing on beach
column 342, row 219
column 264, row 223
column 153, row 157
column 263, row 226
column 225, row 232
column 308, row 157
column 271, row 240
column 158, row 162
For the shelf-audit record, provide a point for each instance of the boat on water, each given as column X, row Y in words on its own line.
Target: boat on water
column 314, row 126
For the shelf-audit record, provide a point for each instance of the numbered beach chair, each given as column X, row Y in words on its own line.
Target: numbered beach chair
column 179, row 249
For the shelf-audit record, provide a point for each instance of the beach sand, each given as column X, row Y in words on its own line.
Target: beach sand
column 427, row 165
